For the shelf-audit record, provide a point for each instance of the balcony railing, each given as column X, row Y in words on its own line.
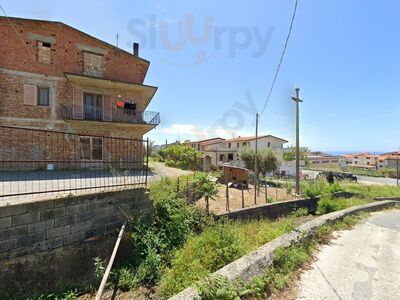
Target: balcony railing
column 96, row 113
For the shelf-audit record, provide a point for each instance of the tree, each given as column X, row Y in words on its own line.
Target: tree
column 180, row 156
column 290, row 154
column 206, row 187
column 266, row 159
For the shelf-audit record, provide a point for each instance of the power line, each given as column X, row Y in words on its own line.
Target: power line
column 282, row 56
column 16, row 32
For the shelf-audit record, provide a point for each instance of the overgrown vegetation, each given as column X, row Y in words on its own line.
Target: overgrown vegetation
column 179, row 156
column 267, row 161
column 283, row 271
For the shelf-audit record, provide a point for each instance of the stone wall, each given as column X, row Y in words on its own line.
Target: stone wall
column 50, row 244
column 272, row 210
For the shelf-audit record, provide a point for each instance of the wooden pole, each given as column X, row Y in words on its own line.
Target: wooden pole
column 255, row 163
column 242, row 196
column 227, row 197
column 266, row 190
column 177, row 186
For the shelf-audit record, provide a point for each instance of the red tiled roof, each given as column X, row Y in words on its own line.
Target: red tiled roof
column 251, row 138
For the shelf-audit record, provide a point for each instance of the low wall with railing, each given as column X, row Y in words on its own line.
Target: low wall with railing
column 48, row 244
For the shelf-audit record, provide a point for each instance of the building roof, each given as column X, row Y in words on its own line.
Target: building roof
column 212, row 141
column 10, row 19
column 251, row 138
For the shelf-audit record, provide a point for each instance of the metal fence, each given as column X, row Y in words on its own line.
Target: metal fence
column 35, row 163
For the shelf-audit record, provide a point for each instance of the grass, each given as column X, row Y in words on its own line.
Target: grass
column 217, row 246
column 284, row 270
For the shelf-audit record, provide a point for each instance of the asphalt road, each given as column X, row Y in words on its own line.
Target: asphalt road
column 376, row 180
column 363, row 263
column 361, row 179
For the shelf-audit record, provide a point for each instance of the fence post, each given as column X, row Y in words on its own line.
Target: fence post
column 266, row 191
column 242, row 195
column 147, row 160
column 276, row 193
column 227, row 197
column 177, row 186
column 187, row 189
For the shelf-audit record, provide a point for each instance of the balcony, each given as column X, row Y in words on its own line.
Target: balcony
column 96, row 113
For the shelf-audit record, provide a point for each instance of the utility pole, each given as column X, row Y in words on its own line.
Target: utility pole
column 397, row 163
column 297, row 99
column 255, row 163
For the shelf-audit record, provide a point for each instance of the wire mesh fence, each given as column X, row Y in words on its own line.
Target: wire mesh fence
column 36, row 163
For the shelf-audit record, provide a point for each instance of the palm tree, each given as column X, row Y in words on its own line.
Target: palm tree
column 206, row 187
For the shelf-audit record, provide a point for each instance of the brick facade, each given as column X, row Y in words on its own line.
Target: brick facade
column 68, row 64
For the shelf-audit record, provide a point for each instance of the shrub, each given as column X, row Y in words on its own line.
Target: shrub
column 327, row 205
column 180, row 156
column 314, row 188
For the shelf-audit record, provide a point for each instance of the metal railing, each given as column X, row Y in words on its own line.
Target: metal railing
column 34, row 163
column 121, row 115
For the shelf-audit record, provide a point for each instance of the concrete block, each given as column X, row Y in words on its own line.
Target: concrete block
column 41, row 226
column 5, row 222
column 76, row 209
column 106, row 211
column 13, row 232
column 58, row 231
column 89, row 215
column 95, row 231
column 30, row 239
column 52, row 213
column 11, row 210
column 55, row 242
column 81, row 226
column 65, row 220
column 29, row 217
column 74, row 238
column 37, row 206
column 8, row 245
column 110, row 227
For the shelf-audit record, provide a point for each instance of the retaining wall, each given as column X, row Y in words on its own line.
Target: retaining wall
column 272, row 210
column 49, row 244
column 256, row 263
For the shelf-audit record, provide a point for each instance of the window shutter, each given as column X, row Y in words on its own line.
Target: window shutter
column 30, row 94
column 77, row 106
column 107, row 114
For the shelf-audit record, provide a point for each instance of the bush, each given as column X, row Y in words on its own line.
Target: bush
column 314, row 188
column 300, row 212
column 180, row 156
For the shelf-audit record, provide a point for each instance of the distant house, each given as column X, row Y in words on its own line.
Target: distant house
column 218, row 151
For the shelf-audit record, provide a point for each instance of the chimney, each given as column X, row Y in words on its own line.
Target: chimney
column 136, row 49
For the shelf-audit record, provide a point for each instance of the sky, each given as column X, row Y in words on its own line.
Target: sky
column 213, row 63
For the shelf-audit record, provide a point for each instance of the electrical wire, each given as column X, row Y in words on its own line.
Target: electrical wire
column 282, row 56
column 16, row 32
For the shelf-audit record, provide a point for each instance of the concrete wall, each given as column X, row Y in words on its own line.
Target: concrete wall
column 50, row 244
column 272, row 210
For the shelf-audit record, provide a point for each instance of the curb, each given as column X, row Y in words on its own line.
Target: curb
column 256, row 262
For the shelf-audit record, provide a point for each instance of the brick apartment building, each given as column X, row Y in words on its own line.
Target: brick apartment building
column 54, row 77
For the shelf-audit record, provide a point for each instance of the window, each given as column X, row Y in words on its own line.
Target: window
column 44, row 52
column 244, row 144
column 269, row 144
column 221, row 157
column 91, row 148
column 229, row 145
column 93, row 64
column 93, row 107
column 43, row 96
column 237, row 145
column 230, row 156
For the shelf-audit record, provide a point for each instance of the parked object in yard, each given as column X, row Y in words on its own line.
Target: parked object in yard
column 338, row 175
column 235, row 175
